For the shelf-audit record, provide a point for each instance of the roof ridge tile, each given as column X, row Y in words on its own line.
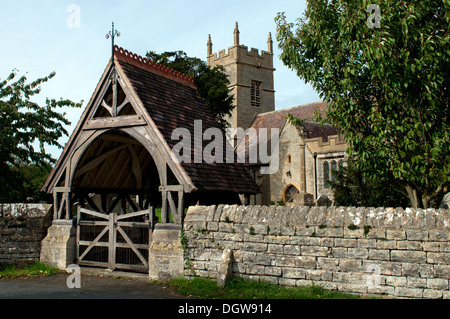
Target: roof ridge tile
column 156, row 68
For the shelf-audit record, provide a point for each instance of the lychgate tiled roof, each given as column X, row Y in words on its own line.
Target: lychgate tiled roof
column 172, row 101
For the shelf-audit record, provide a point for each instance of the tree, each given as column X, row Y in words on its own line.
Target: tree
column 27, row 183
column 351, row 188
column 212, row 83
column 25, row 129
column 386, row 82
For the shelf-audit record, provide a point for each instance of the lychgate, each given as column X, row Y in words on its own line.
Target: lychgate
column 116, row 182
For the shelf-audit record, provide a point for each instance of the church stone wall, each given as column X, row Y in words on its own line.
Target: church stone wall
column 22, row 227
column 381, row 251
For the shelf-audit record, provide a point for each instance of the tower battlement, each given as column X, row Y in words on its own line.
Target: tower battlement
column 241, row 53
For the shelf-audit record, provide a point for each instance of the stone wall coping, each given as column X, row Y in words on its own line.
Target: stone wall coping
column 22, row 210
column 386, row 218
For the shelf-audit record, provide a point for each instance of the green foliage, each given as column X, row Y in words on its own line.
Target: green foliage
column 25, row 125
column 212, row 83
column 27, row 184
column 34, row 270
column 387, row 88
column 352, row 188
column 243, row 289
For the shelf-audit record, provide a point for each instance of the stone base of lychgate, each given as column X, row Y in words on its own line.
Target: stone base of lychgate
column 58, row 248
column 165, row 257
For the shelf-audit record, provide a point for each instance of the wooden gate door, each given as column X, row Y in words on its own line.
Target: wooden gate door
column 114, row 241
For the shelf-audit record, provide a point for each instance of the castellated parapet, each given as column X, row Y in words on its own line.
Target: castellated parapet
column 242, row 54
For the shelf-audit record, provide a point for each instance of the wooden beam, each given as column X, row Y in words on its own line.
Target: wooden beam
column 91, row 203
column 180, row 206
column 94, row 243
column 112, row 241
column 119, row 108
column 132, row 204
column 113, row 204
column 55, row 205
column 173, row 208
column 96, row 161
column 119, row 139
column 136, row 167
column 164, row 217
column 132, row 246
column 107, row 107
column 172, row 188
column 114, row 122
column 92, row 213
column 122, row 171
column 118, row 164
column 62, row 189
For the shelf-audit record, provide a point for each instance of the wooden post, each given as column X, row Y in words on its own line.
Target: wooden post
column 112, row 241
column 164, row 214
column 152, row 224
column 181, row 206
column 55, row 205
column 68, row 205
column 78, row 232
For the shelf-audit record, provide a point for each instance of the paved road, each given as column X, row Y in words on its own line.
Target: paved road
column 92, row 287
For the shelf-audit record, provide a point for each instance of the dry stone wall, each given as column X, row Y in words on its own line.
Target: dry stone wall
column 22, row 227
column 394, row 252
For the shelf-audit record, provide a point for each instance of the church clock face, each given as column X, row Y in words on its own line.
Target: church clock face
column 290, row 193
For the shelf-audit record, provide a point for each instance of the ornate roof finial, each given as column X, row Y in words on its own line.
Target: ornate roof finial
column 209, row 45
column 270, row 43
column 236, row 34
column 113, row 33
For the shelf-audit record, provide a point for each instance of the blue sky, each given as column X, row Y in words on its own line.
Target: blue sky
column 39, row 37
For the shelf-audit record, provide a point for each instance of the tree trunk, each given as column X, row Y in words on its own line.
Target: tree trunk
column 428, row 198
column 425, row 202
column 413, row 197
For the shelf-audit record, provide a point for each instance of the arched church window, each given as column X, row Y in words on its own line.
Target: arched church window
column 326, row 174
column 290, row 193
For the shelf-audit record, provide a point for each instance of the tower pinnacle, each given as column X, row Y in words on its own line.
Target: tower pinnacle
column 209, row 45
column 236, row 34
column 270, row 43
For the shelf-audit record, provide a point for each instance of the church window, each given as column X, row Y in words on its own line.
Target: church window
column 326, row 175
column 256, row 93
column 290, row 193
column 333, row 168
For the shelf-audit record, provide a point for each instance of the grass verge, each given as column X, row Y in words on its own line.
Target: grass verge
column 35, row 270
column 202, row 288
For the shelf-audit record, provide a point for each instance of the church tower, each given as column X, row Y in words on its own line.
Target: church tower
column 251, row 79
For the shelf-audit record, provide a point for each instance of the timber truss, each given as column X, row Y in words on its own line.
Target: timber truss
column 116, row 152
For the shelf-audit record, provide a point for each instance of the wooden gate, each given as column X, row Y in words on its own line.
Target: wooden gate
column 114, row 241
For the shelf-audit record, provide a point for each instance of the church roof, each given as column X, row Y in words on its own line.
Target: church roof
column 277, row 119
